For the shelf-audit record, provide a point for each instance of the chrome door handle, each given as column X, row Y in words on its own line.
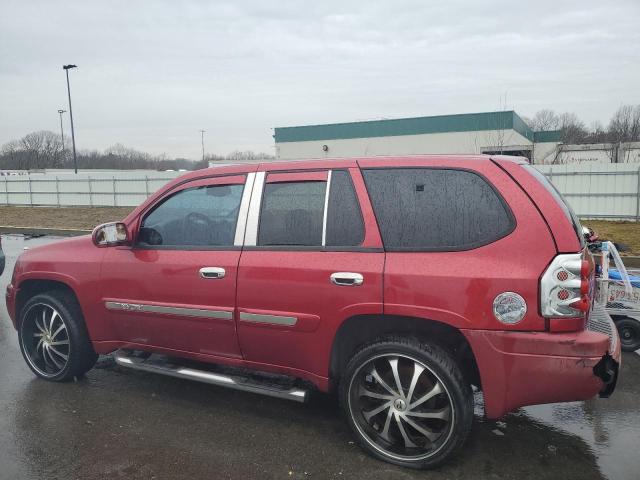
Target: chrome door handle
column 347, row 279
column 212, row 272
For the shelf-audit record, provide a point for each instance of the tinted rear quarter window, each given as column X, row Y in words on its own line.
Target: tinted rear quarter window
column 436, row 209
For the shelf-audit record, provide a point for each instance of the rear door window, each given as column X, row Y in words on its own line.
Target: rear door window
column 436, row 209
column 292, row 213
column 310, row 209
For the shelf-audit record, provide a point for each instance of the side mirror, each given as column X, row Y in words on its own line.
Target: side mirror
column 110, row 235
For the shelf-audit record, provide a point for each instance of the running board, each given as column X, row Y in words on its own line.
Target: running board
column 237, row 382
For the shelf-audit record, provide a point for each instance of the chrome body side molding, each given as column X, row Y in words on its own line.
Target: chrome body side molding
column 182, row 311
column 272, row 319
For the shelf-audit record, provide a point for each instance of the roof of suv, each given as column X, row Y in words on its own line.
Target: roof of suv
column 335, row 162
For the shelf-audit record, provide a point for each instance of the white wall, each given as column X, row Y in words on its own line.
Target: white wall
column 443, row 143
column 586, row 153
column 544, row 152
column 600, row 152
column 629, row 152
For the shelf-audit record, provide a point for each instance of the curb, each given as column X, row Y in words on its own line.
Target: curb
column 63, row 232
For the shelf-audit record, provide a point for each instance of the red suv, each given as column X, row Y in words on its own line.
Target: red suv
column 401, row 283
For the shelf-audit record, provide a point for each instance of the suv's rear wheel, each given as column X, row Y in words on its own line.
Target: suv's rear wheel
column 407, row 402
column 53, row 337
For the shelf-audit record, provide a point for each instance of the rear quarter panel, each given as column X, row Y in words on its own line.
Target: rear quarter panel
column 458, row 288
column 560, row 226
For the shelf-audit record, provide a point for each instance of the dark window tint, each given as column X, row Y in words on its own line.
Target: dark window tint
column 202, row 216
column 436, row 209
column 566, row 208
column 291, row 213
column 344, row 220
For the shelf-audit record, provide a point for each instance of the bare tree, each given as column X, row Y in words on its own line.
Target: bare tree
column 544, row 121
column 13, row 155
column 625, row 124
column 495, row 137
column 597, row 133
column 119, row 156
column 43, row 149
column 240, row 155
column 572, row 129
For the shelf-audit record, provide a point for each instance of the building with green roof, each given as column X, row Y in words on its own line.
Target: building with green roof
column 489, row 132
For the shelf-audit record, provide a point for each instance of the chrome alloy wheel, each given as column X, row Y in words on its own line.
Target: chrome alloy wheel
column 401, row 407
column 45, row 340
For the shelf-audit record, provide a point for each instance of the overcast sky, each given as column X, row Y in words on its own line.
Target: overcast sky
column 152, row 73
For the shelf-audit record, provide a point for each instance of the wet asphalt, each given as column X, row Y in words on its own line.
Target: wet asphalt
column 117, row 423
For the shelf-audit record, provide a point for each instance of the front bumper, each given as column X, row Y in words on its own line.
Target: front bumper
column 10, row 298
column 530, row 368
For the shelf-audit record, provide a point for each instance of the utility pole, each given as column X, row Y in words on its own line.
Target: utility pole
column 202, row 134
column 73, row 136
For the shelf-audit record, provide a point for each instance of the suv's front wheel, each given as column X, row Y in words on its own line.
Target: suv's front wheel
column 407, row 402
column 53, row 337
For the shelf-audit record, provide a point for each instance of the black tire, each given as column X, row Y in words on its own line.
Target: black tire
column 432, row 365
column 629, row 332
column 77, row 348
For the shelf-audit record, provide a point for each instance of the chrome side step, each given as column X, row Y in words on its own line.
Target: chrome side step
column 238, row 382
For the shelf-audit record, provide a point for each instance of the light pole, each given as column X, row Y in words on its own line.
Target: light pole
column 61, row 127
column 73, row 136
column 202, row 133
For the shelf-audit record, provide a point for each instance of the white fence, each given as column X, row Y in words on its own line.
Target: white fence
column 599, row 190
column 120, row 190
column 594, row 190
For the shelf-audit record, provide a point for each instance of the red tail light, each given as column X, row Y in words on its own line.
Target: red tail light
column 565, row 287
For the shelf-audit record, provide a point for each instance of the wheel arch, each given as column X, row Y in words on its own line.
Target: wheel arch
column 31, row 287
column 359, row 330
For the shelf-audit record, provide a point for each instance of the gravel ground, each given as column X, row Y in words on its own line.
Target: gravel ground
column 627, row 233
column 82, row 218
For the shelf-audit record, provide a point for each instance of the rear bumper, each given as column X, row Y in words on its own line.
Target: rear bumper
column 519, row 369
